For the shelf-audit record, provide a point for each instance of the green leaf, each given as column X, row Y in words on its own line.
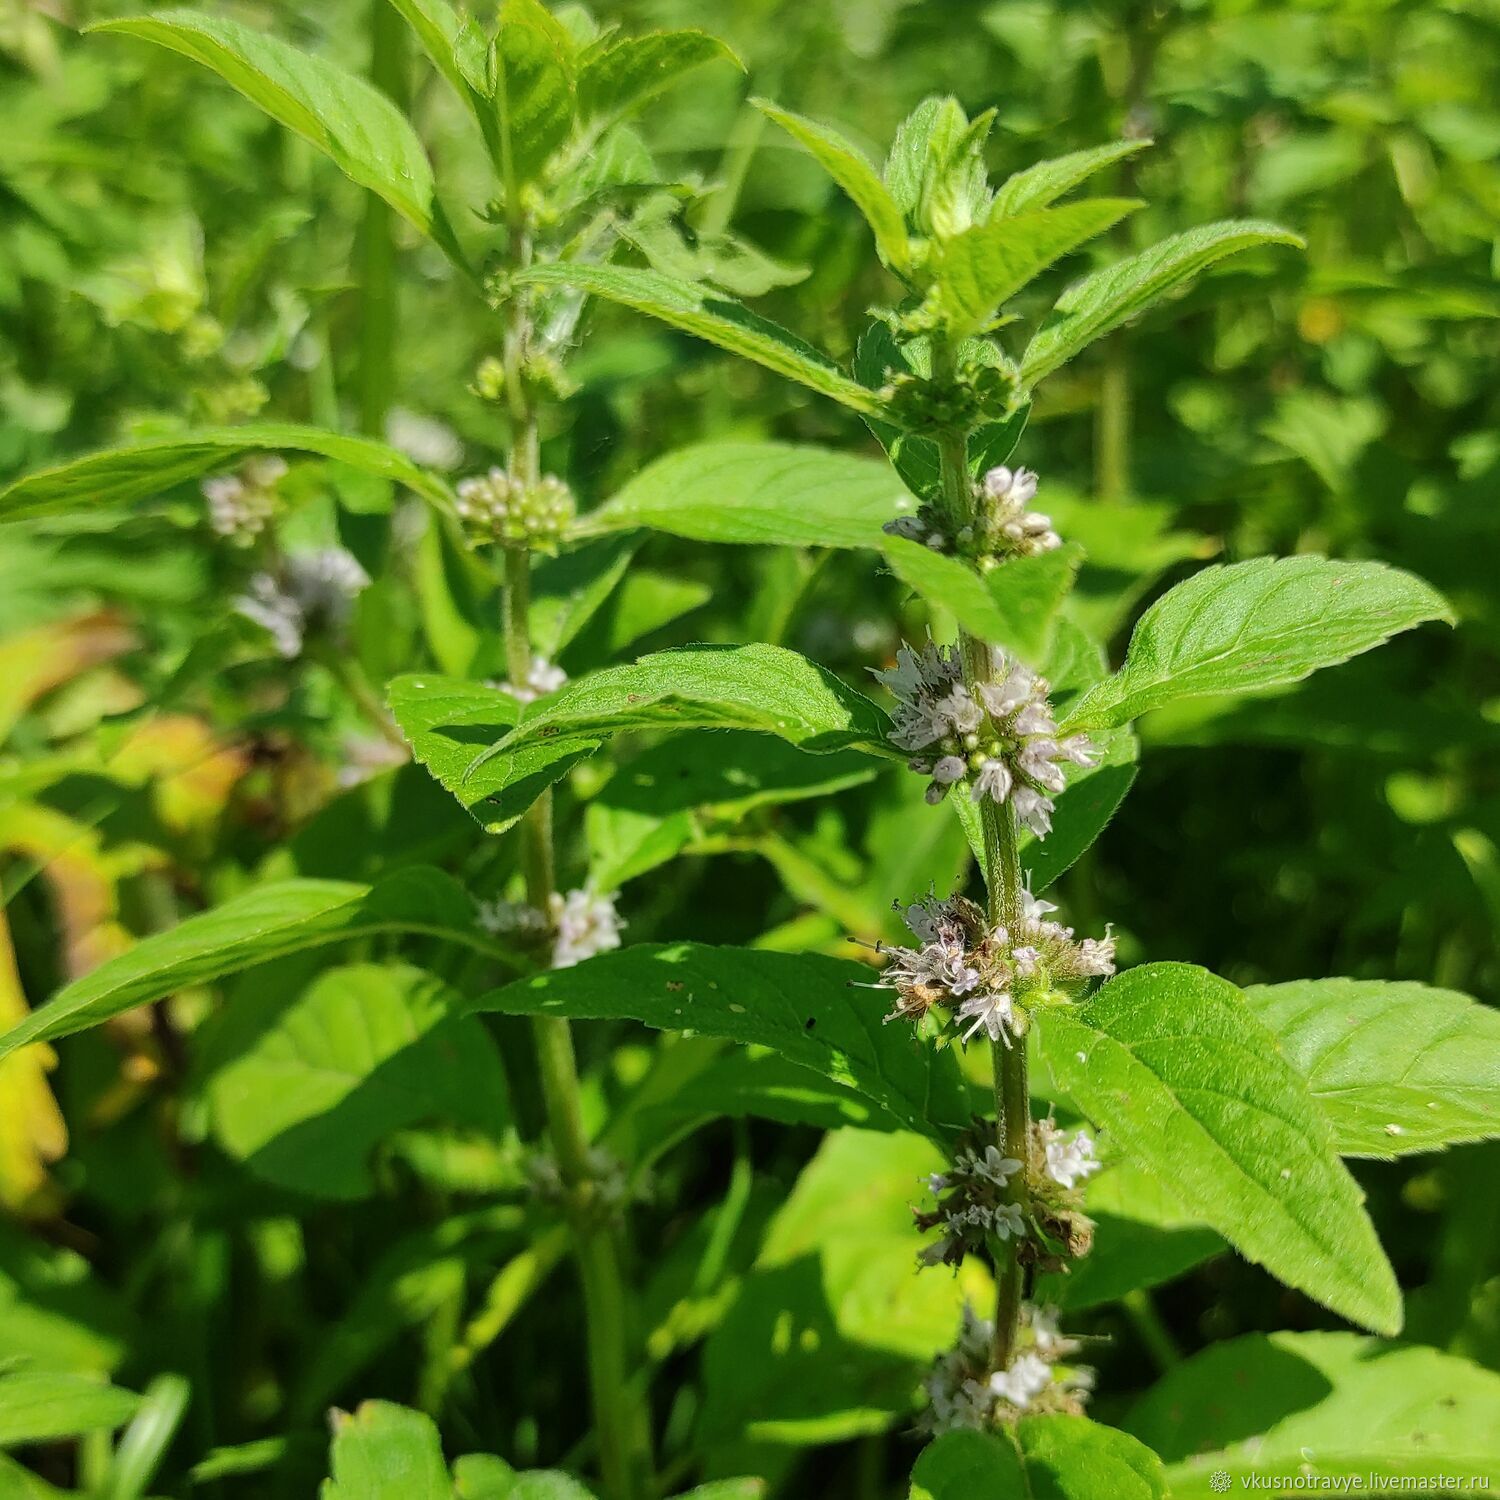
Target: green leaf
column 830, row 1332
column 720, row 320
column 386, row 1452
column 303, row 1087
column 1318, row 1405
column 771, row 494
column 117, row 476
column 40, row 1406
column 1060, row 1457
column 1253, row 625
column 1110, row 296
column 845, row 164
column 985, row 266
column 802, row 1006
column 456, row 48
column 1014, row 605
column 1172, row 1062
column 264, row 923
column 625, row 73
column 1397, row 1067
column 568, row 590
column 534, row 89
column 1039, row 185
column 351, row 122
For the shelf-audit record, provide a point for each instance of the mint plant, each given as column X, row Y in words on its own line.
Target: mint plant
column 1009, row 1072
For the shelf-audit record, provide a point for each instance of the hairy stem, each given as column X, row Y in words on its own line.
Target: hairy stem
column 620, row 1417
column 1003, row 883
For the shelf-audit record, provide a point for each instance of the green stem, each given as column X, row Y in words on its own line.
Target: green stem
column 1004, row 885
column 620, row 1417
column 1153, row 1332
column 1112, row 424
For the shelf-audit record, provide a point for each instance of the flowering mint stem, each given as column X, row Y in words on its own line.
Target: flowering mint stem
column 1003, row 875
column 620, row 1417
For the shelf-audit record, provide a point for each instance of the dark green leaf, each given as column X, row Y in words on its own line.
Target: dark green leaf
column 534, row 88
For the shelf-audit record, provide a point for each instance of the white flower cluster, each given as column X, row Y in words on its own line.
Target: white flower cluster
column 1068, row 1158
column 312, row 595
column 962, row 1391
column 972, row 1205
column 241, row 505
column 608, row 1182
column 1003, row 745
column 499, row 508
column 1002, row 526
column 424, row 440
column 581, row 923
column 543, row 677
column 974, row 970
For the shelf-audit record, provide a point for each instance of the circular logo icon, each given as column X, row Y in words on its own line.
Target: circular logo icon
column 1219, row 1481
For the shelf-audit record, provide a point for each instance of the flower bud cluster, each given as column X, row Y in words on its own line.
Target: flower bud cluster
column 1002, row 526
column 241, row 505
column 963, row 1391
column 979, row 973
column 499, row 509
column 311, row 596
column 980, row 394
column 601, row 1197
column 1002, row 744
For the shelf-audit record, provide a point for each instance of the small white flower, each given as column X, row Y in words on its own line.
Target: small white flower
column 1070, row 1158
column 584, row 924
column 543, row 677
column 1009, row 1222
column 991, row 1013
column 1033, row 810
column 997, row 1168
column 502, row 918
column 993, row 781
column 949, row 769
column 1027, row 1377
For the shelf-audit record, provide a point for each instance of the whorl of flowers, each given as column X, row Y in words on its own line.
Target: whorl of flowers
column 963, row 1391
column 241, row 505
column 1003, row 745
column 579, row 923
column 542, row 677
column 312, row 594
column 977, row 973
column 498, row 508
column 972, row 1205
column 1002, row 527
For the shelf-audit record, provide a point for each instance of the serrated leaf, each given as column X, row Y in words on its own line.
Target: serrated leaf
column 1109, row 297
column 1396, row 1067
column 848, row 167
column 386, row 1452
column 534, row 88
column 627, row 72
column 1061, row 1457
column 1014, row 605
column 720, row 320
column 985, row 266
column 1253, row 625
column 302, row 1088
column 1319, row 1407
column 1172, row 1062
column 39, row 1406
column 264, row 923
column 1037, row 186
column 801, row 1006
column 118, row 476
column 758, row 494
column 350, row 121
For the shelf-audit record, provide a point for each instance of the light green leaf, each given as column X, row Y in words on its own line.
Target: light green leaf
column 569, row 589
column 1397, row 1067
column 848, row 167
column 1039, row 185
column 40, row 1406
column 1172, row 1062
column 1060, row 1457
column 303, row 1087
column 770, row 494
column 832, row 1329
column 386, row 1452
column 1254, row 625
column 1321, row 1406
column 264, row 923
column 1109, row 297
column 625, row 73
column 350, row 121
column 456, row 48
column 534, row 88
column 802, row 1006
column 720, row 320
column 985, row 266
column 117, row 476
column 1015, row 605
column 54, row 1314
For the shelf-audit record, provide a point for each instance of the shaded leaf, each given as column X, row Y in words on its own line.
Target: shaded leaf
column 627, row 72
